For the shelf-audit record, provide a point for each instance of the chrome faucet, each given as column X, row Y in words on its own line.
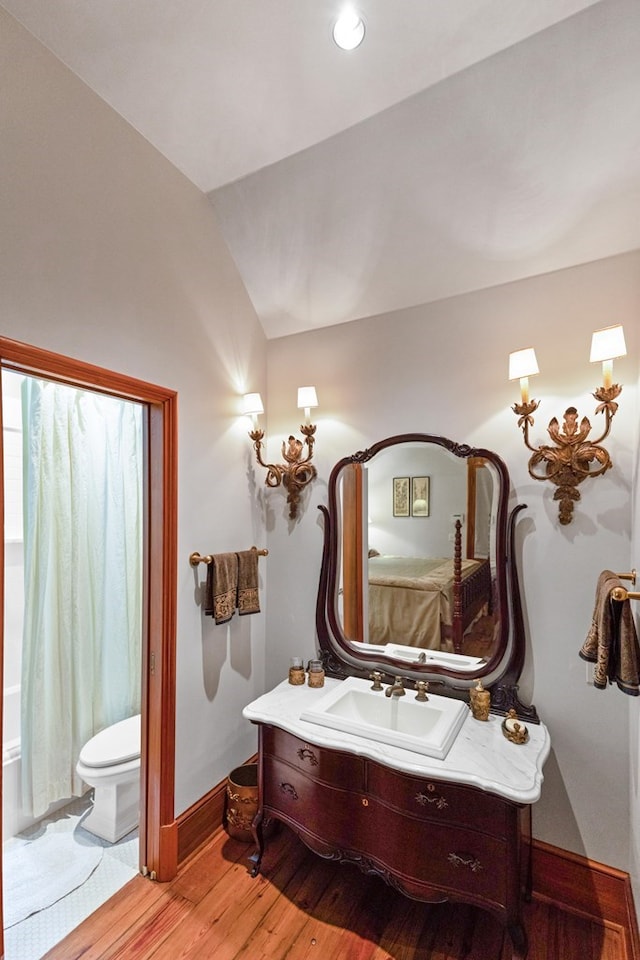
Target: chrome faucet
column 396, row 689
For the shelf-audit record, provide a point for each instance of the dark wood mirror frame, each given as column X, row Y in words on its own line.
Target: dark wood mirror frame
column 501, row 672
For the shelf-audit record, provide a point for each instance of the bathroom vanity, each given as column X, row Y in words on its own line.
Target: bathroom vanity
column 437, row 821
column 451, row 829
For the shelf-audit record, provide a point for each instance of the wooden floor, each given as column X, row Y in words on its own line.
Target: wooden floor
column 302, row 907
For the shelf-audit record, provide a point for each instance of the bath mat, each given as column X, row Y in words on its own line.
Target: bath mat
column 28, row 868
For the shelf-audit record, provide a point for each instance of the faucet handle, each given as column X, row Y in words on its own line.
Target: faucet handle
column 422, row 686
column 376, row 676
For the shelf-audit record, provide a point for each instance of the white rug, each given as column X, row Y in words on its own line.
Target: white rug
column 28, row 868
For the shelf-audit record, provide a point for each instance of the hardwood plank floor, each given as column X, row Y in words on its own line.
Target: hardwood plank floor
column 304, row 908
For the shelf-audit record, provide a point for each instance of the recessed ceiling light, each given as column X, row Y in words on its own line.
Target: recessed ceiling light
column 348, row 31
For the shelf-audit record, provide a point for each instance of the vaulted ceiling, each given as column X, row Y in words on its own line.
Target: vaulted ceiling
column 466, row 143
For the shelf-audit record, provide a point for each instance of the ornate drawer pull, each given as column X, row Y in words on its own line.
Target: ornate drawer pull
column 304, row 753
column 465, row 860
column 290, row 789
column 423, row 799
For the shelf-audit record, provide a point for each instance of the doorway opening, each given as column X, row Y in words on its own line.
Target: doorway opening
column 157, row 826
column 74, row 464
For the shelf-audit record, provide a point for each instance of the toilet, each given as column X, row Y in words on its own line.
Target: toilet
column 110, row 763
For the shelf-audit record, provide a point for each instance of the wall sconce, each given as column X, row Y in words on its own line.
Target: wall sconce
column 297, row 471
column 569, row 462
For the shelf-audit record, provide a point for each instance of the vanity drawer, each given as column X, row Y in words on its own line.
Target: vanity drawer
column 440, row 801
column 342, row 770
column 328, row 812
column 454, row 860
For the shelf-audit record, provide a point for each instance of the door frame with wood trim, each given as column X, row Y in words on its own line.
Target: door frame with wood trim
column 158, row 827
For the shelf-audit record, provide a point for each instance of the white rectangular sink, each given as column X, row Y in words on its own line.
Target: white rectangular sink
column 428, row 728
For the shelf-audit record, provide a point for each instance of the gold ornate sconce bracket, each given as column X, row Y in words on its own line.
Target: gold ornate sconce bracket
column 573, row 457
column 297, row 470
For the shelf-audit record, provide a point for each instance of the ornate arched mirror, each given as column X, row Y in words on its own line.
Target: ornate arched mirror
column 417, row 573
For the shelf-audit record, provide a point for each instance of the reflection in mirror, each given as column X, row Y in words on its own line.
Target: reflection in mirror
column 481, row 492
column 415, row 575
column 402, row 574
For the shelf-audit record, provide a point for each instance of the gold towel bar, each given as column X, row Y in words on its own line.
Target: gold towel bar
column 195, row 558
column 619, row 593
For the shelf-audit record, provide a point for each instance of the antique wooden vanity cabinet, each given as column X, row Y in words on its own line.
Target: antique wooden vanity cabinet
column 430, row 839
column 435, row 829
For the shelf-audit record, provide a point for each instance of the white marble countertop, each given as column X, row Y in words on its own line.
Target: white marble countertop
column 481, row 756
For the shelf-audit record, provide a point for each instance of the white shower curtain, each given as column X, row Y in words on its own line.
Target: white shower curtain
column 83, row 515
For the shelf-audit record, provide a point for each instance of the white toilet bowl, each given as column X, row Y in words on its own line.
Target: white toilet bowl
column 110, row 763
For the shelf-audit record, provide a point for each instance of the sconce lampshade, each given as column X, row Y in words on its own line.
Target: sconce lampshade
column 607, row 344
column 348, row 30
column 307, row 398
column 253, row 404
column 523, row 363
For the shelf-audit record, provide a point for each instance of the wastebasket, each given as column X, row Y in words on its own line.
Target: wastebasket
column 242, row 801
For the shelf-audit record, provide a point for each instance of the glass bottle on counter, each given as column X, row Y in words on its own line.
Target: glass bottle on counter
column 316, row 673
column 296, row 671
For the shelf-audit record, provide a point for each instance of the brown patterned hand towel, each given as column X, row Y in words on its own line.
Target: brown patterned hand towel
column 222, row 587
column 248, row 597
column 612, row 642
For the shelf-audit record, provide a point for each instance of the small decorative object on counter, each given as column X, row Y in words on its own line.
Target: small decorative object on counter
column 316, row 673
column 296, row 671
column 480, row 701
column 513, row 729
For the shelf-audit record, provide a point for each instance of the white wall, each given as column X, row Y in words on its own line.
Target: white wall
column 111, row 256
column 443, row 369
